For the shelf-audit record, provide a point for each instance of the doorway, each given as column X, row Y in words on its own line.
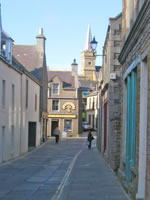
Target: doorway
column 32, row 134
column 54, row 124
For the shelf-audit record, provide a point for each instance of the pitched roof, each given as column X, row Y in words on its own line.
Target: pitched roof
column 87, row 85
column 65, row 76
column 28, row 56
column 94, row 93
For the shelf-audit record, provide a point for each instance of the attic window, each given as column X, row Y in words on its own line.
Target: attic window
column 55, row 88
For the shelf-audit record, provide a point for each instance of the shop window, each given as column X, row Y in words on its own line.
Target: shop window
column 68, row 125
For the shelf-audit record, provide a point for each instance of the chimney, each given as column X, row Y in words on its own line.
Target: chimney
column 74, row 66
column 41, row 41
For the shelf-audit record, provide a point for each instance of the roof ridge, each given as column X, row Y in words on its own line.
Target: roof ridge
column 23, row 45
column 59, row 71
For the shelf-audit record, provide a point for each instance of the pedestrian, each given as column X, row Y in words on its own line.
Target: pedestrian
column 90, row 138
column 56, row 133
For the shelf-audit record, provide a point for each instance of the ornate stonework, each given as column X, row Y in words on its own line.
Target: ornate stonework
column 68, row 106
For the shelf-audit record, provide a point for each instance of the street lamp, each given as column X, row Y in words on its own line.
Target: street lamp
column 94, row 46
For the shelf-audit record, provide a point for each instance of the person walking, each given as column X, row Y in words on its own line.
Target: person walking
column 90, row 138
column 56, row 133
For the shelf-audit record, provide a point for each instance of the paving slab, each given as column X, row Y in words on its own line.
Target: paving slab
column 66, row 171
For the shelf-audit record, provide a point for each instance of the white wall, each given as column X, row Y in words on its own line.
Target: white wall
column 9, row 118
column 29, row 114
column 12, row 144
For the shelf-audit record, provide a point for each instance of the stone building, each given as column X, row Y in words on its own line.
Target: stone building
column 89, row 73
column 88, row 70
column 64, row 102
column 135, row 60
column 109, row 95
column 19, row 104
column 33, row 58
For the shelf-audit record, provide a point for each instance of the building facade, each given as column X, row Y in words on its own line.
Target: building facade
column 33, row 58
column 92, row 110
column 64, row 103
column 109, row 95
column 135, row 60
column 19, row 104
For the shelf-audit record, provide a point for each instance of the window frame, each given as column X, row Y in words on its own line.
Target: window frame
column 66, row 129
column 55, row 105
column 55, row 89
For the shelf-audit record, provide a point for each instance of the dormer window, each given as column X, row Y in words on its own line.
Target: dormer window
column 6, row 47
column 3, row 48
column 55, row 88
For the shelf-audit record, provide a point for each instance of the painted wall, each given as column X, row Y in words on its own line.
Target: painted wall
column 14, row 122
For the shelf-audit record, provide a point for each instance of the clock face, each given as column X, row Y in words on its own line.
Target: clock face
column 89, row 63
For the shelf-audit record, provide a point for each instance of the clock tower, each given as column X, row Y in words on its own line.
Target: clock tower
column 88, row 59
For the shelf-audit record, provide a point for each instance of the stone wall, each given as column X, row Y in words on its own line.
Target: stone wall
column 137, row 43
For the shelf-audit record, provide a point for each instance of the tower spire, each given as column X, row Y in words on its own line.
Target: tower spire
column 88, row 39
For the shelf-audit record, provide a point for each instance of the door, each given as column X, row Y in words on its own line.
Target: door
column 32, row 134
column 3, row 144
column 54, row 125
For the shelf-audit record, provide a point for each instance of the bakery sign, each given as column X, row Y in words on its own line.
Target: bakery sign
column 68, row 107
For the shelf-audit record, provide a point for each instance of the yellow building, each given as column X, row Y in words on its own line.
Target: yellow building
column 64, row 102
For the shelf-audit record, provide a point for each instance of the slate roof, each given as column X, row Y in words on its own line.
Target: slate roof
column 19, row 68
column 87, row 85
column 28, row 56
column 65, row 76
column 94, row 93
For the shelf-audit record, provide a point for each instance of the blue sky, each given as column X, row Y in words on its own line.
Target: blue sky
column 65, row 24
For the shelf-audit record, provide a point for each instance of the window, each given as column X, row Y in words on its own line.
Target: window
column 117, row 43
column 116, row 32
column 116, row 55
column 68, row 125
column 93, row 107
column 117, row 68
column 89, row 103
column 13, row 97
column 49, row 92
column 35, row 102
column 55, row 105
column 55, row 88
column 89, row 119
column 3, row 94
column 3, row 48
column 27, row 93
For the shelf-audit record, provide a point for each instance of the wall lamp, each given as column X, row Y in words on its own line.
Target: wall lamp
column 94, row 46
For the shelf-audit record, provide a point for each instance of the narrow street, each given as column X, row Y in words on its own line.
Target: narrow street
column 64, row 171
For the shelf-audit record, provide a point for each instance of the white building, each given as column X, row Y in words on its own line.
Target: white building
column 19, row 104
column 92, row 109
